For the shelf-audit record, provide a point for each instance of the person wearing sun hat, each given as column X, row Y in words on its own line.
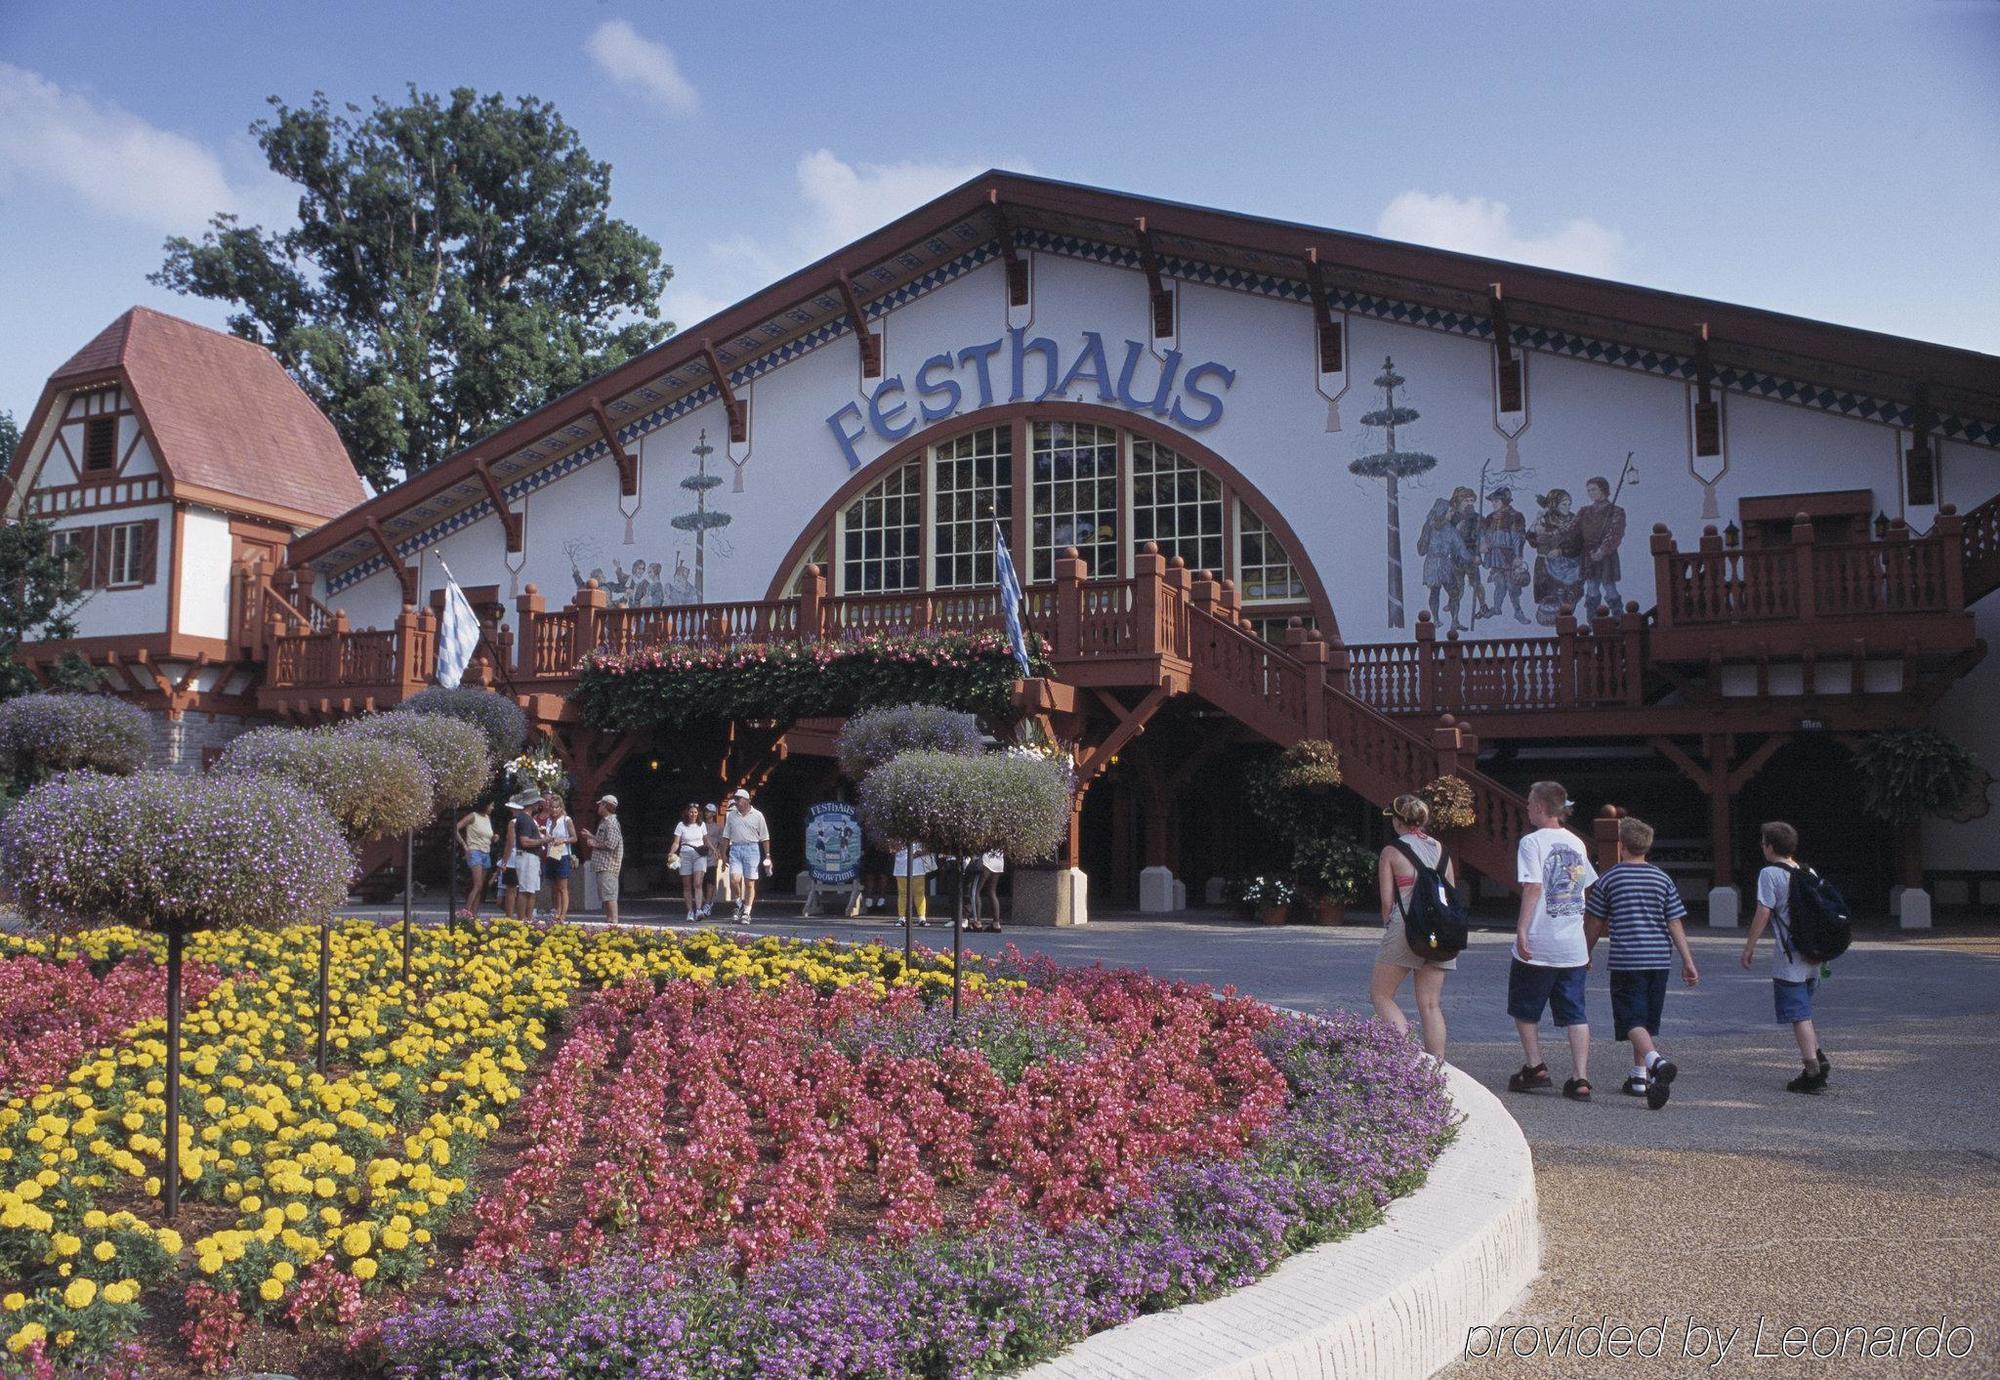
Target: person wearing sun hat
column 607, row 854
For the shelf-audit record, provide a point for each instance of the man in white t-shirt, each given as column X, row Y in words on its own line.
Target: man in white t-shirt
column 1551, row 955
column 749, row 850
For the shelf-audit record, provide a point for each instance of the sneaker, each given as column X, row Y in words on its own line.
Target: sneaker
column 1635, row 1086
column 1825, row 1067
column 1810, row 1081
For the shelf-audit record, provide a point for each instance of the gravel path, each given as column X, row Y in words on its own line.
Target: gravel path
column 1872, row 1205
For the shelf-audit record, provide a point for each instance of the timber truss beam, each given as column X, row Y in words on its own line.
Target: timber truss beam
column 871, row 341
column 1331, row 356
column 406, row 575
column 1131, row 723
column 739, row 413
column 628, row 468
column 1161, row 296
column 1017, row 267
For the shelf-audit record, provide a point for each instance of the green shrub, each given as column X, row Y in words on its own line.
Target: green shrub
column 966, row 805
column 163, row 851
column 455, row 751
column 503, row 722
column 874, row 736
column 41, row 735
column 1335, row 866
column 372, row 788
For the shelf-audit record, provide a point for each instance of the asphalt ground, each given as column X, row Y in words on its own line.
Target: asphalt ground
column 1736, row 1212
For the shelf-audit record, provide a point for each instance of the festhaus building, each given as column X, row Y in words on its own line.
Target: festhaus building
column 1264, row 481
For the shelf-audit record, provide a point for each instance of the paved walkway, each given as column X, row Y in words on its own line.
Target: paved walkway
column 1874, row 1204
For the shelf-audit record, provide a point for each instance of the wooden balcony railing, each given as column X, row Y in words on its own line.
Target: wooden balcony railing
column 1583, row 666
column 1981, row 534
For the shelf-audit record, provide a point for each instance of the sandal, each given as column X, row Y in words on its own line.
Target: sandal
column 1577, row 1090
column 1531, row 1077
column 1636, row 1086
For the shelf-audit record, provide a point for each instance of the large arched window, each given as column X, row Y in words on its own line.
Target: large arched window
column 1085, row 481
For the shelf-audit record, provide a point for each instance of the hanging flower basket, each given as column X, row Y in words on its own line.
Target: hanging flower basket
column 1450, row 799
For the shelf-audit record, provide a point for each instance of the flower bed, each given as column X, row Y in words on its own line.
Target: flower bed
column 303, row 1190
column 683, row 683
column 759, row 1158
column 1103, row 1199
column 54, row 1011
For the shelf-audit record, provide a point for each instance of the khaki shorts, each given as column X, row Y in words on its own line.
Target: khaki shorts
column 607, row 884
column 1395, row 951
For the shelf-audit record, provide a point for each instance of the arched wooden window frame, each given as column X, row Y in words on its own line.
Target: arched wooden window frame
column 823, row 529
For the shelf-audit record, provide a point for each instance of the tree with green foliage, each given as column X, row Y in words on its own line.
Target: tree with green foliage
column 38, row 594
column 455, row 265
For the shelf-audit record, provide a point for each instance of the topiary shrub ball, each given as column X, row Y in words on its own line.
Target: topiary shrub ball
column 41, row 735
column 874, row 736
column 503, row 722
column 372, row 788
column 966, row 805
column 454, row 750
column 164, row 851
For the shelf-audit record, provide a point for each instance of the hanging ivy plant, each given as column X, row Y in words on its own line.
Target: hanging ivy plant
column 1910, row 772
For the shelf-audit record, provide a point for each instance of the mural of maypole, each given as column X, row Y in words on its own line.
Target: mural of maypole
column 1391, row 465
column 701, row 521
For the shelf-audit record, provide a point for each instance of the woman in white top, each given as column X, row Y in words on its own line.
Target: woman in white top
column 913, row 871
column 561, row 833
column 691, row 857
column 1395, row 960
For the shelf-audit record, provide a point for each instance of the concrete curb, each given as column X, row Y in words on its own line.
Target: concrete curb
column 1394, row 1301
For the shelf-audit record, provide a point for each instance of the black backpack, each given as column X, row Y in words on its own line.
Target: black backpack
column 1434, row 923
column 1817, row 918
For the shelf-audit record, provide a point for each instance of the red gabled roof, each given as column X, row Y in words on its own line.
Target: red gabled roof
column 223, row 413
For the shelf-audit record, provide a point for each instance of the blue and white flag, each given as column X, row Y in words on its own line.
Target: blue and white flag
column 458, row 636
column 1010, row 597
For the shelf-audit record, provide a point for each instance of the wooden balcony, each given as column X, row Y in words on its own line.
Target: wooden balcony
column 1902, row 597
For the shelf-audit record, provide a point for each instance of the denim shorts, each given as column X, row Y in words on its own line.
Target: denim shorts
column 1638, row 996
column 1533, row 988
column 744, row 859
column 1793, row 1000
column 478, row 857
column 559, row 868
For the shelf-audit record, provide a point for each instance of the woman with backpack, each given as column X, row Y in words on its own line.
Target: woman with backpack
column 1397, row 878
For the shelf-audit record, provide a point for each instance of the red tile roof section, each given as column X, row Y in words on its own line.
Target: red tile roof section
column 224, row 413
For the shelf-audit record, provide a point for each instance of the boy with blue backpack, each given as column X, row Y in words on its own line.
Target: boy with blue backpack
column 1809, row 928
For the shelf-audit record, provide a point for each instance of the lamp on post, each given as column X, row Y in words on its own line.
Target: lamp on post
column 1881, row 526
column 1731, row 535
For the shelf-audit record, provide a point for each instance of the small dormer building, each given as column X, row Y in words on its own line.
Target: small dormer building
column 180, row 462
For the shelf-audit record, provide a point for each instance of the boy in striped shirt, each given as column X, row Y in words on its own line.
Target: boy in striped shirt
column 1639, row 906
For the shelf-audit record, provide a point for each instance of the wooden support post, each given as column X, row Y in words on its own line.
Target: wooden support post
column 1331, row 355
column 1069, row 604
column 1721, row 828
column 812, row 604
column 1445, row 746
column 529, row 607
column 591, row 604
column 1160, row 296
column 1427, row 663
column 1604, row 835
column 1148, row 569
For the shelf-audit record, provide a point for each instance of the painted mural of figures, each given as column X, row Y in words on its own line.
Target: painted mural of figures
column 1449, row 543
column 1558, row 569
column 681, row 589
column 1600, row 529
column 1503, row 552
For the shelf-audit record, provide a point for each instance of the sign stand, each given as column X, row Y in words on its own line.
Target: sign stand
column 833, row 856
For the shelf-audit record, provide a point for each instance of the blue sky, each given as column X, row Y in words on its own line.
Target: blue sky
column 1835, row 160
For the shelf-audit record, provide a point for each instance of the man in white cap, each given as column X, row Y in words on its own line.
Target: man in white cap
column 749, row 851
column 607, row 854
column 524, row 851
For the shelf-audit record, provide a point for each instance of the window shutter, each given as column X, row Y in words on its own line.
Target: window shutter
column 148, row 562
column 98, row 548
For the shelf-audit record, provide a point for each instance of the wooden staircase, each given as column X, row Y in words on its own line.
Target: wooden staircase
column 1283, row 694
column 1982, row 550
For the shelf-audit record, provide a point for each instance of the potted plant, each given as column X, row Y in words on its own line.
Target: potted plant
column 1265, row 899
column 1336, row 872
column 1450, row 799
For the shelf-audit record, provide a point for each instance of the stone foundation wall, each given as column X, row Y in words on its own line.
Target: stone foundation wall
column 181, row 744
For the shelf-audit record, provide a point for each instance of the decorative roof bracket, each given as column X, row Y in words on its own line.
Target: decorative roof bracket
column 1507, row 359
column 739, row 415
column 1162, row 298
column 1707, row 415
column 871, row 342
column 1017, row 267
column 1331, row 358
column 628, row 468
column 510, row 520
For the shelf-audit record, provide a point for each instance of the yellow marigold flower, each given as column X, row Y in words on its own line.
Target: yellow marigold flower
column 14, row 1302
column 122, row 1291
column 80, row 1292
column 282, row 1271
column 104, row 1250
column 169, row 1240
column 30, row 1334
column 65, row 1244
column 209, row 1263
column 364, row 1269
column 271, row 1290
column 356, row 1240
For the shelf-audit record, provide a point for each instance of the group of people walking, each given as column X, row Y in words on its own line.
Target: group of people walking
column 1566, row 908
column 720, row 856
column 528, row 845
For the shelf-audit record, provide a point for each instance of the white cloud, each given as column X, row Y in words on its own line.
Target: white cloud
column 633, row 60
column 847, row 200
column 117, row 162
column 1475, row 225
